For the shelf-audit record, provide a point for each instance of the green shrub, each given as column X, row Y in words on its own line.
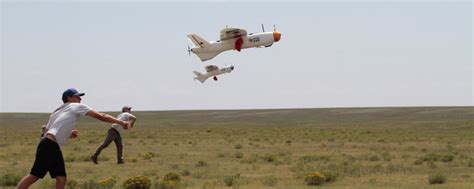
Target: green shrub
column 239, row 155
column 185, row 172
column 418, row 162
column 447, row 158
column 315, row 178
column 9, row 179
column 470, row 162
column 148, row 155
column 330, row 177
column 238, row 146
column 437, row 178
column 230, row 180
column 170, row 181
column 221, row 155
column 374, row 158
column 107, row 183
column 430, row 157
column 137, row 182
column 201, row 164
column 72, row 184
column 172, row 177
column 90, row 184
column 269, row 158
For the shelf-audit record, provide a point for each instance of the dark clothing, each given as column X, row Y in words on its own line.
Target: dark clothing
column 112, row 135
column 48, row 158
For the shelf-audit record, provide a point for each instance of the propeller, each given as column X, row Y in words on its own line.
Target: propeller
column 274, row 27
column 231, row 66
column 263, row 29
column 189, row 50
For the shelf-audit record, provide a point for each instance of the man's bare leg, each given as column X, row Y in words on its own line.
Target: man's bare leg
column 61, row 182
column 26, row 181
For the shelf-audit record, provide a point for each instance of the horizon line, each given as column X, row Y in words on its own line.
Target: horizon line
column 288, row 108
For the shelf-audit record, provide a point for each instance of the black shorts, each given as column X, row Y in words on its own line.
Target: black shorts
column 48, row 158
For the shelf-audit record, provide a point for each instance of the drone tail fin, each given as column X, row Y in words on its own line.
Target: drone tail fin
column 199, row 76
column 198, row 41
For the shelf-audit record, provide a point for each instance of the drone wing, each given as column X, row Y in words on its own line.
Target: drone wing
column 210, row 68
column 230, row 33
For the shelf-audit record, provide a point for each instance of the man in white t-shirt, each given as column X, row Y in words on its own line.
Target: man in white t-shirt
column 60, row 127
column 113, row 134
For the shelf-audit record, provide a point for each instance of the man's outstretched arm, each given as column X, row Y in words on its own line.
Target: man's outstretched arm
column 106, row 118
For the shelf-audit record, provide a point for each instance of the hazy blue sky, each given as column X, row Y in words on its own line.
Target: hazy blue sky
column 331, row 54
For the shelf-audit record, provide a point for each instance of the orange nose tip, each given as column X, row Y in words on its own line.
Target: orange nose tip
column 276, row 36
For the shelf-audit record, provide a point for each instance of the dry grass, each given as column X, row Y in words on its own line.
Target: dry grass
column 364, row 147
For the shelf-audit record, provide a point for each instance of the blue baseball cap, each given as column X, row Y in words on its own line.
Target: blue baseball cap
column 71, row 92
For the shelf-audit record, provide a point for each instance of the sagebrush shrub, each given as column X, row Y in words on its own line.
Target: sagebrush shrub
column 9, row 179
column 230, row 180
column 430, row 157
column 148, row 155
column 137, row 182
column 108, row 182
column 330, row 176
column 170, row 181
column 418, row 162
column 72, row 184
column 447, row 158
column 221, row 155
column 239, row 155
column 470, row 162
column 185, row 172
column 315, row 178
column 201, row 164
column 437, row 178
column 269, row 158
column 172, row 177
column 238, row 146
column 90, row 184
column 374, row 157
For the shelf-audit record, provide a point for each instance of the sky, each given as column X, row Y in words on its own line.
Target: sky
column 331, row 54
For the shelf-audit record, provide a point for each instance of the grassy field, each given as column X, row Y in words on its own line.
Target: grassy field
column 363, row 147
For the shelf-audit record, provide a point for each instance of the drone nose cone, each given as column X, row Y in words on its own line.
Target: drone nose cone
column 276, row 36
column 232, row 68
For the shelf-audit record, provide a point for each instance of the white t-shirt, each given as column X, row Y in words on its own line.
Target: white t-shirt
column 63, row 120
column 125, row 116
